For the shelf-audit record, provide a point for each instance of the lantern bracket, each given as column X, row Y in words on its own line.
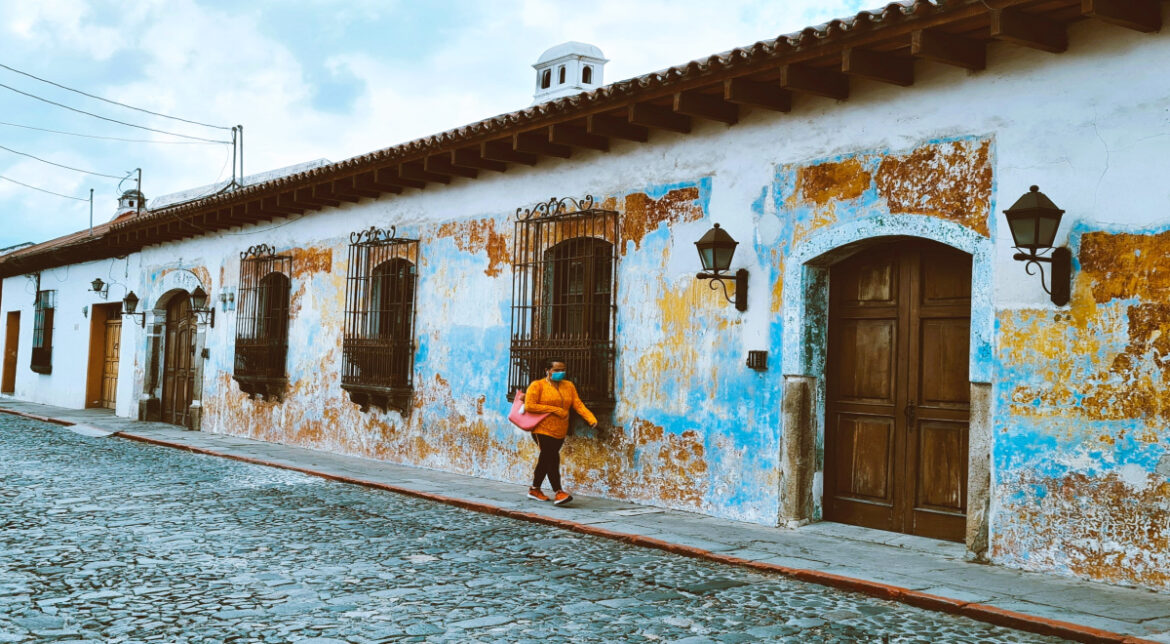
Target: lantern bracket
column 1061, row 261
column 741, row 286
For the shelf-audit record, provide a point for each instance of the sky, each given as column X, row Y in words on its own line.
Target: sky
column 307, row 79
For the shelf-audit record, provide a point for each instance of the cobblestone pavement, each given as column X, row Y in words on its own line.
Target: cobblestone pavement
column 107, row 540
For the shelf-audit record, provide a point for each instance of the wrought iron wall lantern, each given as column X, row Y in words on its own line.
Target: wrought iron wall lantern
column 200, row 308
column 1033, row 220
column 100, row 287
column 716, row 248
column 130, row 305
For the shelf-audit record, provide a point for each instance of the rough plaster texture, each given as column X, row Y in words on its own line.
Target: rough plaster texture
column 1079, row 461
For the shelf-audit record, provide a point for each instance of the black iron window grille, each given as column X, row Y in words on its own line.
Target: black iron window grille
column 42, row 344
column 262, row 322
column 378, row 346
column 564, row 280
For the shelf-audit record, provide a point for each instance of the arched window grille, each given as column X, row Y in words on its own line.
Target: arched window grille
column 262, row 322
column 378, row 346
column 587, row 75
column 564, row 281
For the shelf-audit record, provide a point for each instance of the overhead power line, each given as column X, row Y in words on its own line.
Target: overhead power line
column 141, row 127
column 174, row 118
column 60, row 165
column 21, row 183
column 113, row 138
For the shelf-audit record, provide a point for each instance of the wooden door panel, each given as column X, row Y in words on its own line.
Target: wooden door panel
column 943, row 363
column 873, row 284
column 942, row 466
column 946, row 276
column 866, row 355
column 867, row 448
column 111, row 358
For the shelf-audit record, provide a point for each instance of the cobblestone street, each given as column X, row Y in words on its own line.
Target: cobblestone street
column 107, row 540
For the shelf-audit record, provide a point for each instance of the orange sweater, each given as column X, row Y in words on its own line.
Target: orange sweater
column 544, row 397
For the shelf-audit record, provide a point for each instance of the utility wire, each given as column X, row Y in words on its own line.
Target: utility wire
column 59, row 165
column 111, row 138
column 141, row 127
column 175, row 118
column 21, row 183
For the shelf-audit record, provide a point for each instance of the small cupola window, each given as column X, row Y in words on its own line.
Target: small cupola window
column 587, row 75
column 546, row 79
column 561, row 75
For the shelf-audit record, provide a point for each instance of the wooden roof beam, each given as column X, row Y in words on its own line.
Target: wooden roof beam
column 577, row 137
column 471, row 158
column 819, row 82
column 326, row 191
column 414, row 170
column 370, row 180
column 307, row 197
column 273, row 204
column 349, row 186
column 949, row 48
column 878, row 66
column 503, row 151
column 614, row 128
column 706, row 106
column 441, row 164
column 1142, row 15
column 1029, row 30
column 648, row 115
column 537, row 142
column 393, row 177
column 756, row 94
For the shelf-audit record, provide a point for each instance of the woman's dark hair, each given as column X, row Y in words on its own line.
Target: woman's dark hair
column 548, row 362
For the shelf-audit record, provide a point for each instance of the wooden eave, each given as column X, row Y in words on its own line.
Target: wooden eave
column 880, row 45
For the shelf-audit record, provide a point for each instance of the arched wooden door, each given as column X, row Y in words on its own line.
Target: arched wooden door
column 897, row 386
column 179, row 361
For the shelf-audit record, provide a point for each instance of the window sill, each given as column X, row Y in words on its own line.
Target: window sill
column 384, row 398
column 264, row 387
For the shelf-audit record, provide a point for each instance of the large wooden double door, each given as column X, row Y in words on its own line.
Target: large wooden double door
column 898, row 395
column 178, row 361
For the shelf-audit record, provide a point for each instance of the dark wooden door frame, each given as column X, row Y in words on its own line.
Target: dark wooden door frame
column 894, row 405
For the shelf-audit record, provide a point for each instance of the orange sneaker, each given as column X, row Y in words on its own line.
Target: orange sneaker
column 562, row 498
column 535, row 494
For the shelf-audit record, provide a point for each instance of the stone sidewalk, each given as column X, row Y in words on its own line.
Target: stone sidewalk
column 921, row 572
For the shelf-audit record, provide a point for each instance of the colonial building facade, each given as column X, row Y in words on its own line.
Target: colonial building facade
column 889, row 364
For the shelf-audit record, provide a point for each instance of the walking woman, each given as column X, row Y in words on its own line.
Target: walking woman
column 555, row 396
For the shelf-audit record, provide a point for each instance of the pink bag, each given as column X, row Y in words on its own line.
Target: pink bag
column 521, row 418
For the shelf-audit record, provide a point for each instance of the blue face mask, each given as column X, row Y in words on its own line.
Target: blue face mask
column 557, row 376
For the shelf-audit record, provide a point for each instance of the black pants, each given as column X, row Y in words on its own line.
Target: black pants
column 549, row 462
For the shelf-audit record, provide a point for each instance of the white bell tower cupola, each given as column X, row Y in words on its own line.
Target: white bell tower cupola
column 131, row 201
column 567, row 69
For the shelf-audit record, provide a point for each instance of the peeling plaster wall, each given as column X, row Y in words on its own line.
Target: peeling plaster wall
column 1079, row 465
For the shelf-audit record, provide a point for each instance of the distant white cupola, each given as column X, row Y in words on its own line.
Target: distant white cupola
column 130, row 202
column 567, row 69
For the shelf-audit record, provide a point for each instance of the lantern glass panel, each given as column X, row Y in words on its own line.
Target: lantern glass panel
column 723, row 255
column 707, row 257
column 1046, row 230
column 1023, row 230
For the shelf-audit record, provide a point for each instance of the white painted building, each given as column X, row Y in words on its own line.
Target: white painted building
column 863, row 167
